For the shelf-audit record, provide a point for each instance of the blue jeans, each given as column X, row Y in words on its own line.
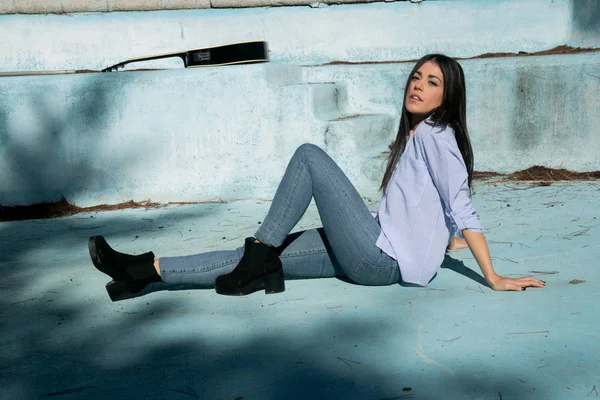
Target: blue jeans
column 343, row 247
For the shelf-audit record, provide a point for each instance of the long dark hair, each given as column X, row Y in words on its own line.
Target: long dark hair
column 452, row 112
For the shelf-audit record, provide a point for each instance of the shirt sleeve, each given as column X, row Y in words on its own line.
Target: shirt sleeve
column 449, row 175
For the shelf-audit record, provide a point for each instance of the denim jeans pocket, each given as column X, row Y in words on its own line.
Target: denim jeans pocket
column 366, row 273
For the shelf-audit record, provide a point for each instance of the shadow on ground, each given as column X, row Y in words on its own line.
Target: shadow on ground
column 63, row 338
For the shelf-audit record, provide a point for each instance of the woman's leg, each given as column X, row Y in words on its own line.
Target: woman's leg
column 349, row 226
column 345, row 246
column 304, row 255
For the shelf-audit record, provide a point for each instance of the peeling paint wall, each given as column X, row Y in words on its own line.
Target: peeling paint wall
column 226, row 133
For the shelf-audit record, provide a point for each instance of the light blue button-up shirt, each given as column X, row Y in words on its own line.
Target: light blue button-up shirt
column 427, row 200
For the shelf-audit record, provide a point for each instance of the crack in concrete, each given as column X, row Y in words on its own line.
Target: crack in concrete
column 424, row 356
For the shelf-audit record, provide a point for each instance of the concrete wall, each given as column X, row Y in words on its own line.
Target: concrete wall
column 176, row 136
column 226, row 133
column 522, row 111
column 185, row 135
column 302, row 35
column 74, row 6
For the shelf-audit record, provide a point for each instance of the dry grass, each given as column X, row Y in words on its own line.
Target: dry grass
column 536, row 175
column 63, row 208
column 539, row 175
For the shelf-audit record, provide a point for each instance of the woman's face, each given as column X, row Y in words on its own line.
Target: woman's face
column 425, row 91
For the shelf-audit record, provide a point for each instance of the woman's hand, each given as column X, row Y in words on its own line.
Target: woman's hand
column 503, row 283
column 478, row 245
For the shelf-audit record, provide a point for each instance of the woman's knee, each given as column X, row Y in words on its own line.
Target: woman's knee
column 308, row 150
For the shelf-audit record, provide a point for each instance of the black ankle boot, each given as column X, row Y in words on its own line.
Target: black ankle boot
column 130, row 273
column 259, row 268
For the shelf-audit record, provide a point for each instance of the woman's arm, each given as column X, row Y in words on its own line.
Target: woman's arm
column 449, row 175
column 479, row 248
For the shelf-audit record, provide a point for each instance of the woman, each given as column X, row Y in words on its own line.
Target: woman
column 426, row 200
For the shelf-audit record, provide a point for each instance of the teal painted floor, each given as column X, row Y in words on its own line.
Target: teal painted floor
column 321, row 339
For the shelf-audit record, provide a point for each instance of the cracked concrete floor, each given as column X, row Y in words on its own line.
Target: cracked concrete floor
column 456, row 339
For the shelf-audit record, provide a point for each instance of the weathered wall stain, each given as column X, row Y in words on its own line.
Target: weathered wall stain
column 586, row 15
column 526, row 132
column 548, row 91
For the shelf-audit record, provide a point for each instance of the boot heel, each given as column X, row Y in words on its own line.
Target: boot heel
column 121, row 290
column 274, row 282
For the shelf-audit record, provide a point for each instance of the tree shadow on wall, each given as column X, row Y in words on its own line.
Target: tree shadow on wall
column 51, row 132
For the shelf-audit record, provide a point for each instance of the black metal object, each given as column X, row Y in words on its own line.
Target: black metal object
column 236, row 53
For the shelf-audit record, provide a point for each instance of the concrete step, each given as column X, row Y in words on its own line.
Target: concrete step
column 359, row 144
column 227, row 133
column 365, row 88
column 176, row 135
column 323, row 100
column 520, row 110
